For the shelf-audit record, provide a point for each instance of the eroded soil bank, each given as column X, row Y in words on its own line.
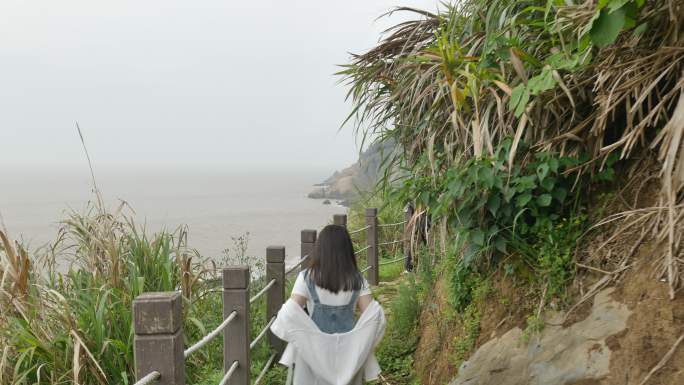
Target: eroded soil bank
column 616, row 337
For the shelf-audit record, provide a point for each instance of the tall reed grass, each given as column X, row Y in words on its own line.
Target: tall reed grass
column 65, row 309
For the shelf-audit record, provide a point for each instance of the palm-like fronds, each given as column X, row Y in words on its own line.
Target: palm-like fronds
column 572, row 77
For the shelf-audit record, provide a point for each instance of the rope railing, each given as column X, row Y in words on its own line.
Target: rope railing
column 359, row 230
column 229, row 373
column 148, row 379
column 392, row 242
column 262, row 291
column 364, row 249
column 297, row 265
column 220, row 290
column 391, row 224
column 265, row 369
column 238, row 287
column 261, row 334
column 392, row 261
column 205, row 340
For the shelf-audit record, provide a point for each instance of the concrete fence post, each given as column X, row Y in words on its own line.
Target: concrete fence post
column 158, row 341
column 236, row 335
column 340, row 219
column 308, row 247
column 408, row 233
column 275, row 269
column 372, row 252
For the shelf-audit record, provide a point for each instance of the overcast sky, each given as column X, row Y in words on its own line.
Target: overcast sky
column 232, row 84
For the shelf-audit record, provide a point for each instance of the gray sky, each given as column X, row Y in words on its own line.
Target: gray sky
column 233, row 84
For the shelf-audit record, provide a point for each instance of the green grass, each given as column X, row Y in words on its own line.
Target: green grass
column 395, row 352
column 470, row 319
column 392, row 271
column 47, row 315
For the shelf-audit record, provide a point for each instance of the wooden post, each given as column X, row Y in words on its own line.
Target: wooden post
column 158, row 341
column 308, row 239
column 236, row 334
column 275, row 269
column 372, row 252
column 340, row 220
column 408, row 214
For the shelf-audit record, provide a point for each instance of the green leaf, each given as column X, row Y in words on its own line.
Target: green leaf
column 500, row 244
column 486, row 175
column 560, row 61
column 456, row 188
column 614, row 5
column 527, row 182
column 560, row 194
column 477, row 237
column 542, row 171
column 508, row 194
column 607, row 27
column 553, row 165
column 523, row 199
column 548, row 183
column 542, row 82
column 519, row 98
column 493, row 203
column 638, row 31
column 544, row 200
column 470, row 254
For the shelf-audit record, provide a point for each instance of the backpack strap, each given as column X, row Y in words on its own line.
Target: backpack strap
column 312, row 288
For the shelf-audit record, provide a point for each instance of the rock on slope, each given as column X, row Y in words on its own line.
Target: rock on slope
column 558, row 356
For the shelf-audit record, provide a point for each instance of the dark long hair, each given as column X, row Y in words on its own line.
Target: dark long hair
column 334, row 265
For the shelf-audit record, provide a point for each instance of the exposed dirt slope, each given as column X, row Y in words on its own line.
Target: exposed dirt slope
column 652, row 326
column 618, row 257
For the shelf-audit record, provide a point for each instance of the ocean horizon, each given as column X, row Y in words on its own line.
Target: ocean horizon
column 216, row 205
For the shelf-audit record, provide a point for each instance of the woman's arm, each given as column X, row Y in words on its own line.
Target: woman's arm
column 364, row 301
column 301, row 300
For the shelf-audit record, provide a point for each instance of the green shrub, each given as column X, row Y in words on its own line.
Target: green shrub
column 426, row 272
column 464, row 344
column 534, row 325
column 406, row 307
column 396, row 349
column 470, row 319
column 549, row 250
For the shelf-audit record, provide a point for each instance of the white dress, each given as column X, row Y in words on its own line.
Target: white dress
column 329, row 359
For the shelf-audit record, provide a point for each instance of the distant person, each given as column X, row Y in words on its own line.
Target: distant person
column 329, row 345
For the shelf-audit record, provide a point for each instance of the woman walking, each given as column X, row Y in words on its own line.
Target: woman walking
column 326, row 343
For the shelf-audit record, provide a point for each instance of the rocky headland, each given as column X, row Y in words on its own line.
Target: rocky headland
column 348, row 184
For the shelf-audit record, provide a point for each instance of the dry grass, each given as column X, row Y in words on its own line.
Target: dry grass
column 452, row 85
column 72, row 324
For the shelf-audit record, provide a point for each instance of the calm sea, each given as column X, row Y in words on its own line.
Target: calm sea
column 271, row 206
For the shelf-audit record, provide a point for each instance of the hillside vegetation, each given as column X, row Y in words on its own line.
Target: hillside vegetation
column 543, row 140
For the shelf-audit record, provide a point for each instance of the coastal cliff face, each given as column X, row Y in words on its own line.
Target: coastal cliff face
column 347, row 184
